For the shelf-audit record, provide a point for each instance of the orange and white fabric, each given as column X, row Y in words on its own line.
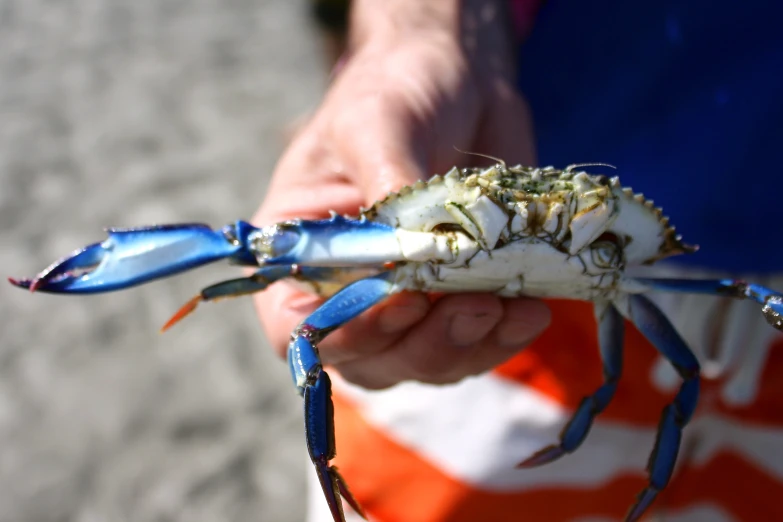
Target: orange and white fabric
column 423, row 453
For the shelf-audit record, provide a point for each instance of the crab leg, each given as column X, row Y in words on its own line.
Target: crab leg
column 313, row 383
column 659, row 331
column 258, row 281
column 771, row 301
column 610, row 338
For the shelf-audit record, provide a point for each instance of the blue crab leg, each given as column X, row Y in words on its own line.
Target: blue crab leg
column 611, row 329
column 258, row 281
column 130, row 257
column 771, row 301
column 313, row 383
column 654, row 325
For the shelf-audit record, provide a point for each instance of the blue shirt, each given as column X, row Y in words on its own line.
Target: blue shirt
column 685, row 98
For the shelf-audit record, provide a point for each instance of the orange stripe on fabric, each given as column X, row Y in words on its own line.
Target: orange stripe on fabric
column 727, row 479
column 394, row 485
column 564, row 364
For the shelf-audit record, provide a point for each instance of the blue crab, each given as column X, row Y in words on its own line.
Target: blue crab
column 515, row 231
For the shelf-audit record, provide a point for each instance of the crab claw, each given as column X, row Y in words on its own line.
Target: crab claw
column 134, row 256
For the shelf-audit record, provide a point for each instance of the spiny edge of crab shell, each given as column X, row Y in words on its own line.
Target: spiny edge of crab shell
column 672, row 242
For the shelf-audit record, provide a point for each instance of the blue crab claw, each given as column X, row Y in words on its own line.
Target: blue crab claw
column 130, row 257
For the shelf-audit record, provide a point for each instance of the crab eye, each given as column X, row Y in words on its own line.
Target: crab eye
column 452, row 227
column 606, row 251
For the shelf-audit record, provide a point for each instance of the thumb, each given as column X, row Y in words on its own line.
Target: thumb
column 384, row 158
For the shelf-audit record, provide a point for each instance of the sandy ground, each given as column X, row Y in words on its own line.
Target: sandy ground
column 128, row 112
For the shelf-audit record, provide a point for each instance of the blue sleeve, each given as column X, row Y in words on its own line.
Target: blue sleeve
column 685, row 98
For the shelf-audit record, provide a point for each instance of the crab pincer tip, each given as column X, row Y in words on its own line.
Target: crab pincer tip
column 643, row 501
column 183, row 312
column 21, row 283
column 542, row 457
column 346, row 494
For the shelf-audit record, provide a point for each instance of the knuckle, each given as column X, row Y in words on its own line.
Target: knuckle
column 427, row 364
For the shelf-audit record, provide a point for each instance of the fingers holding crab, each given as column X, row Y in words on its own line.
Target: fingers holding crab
column 412, row 336
column 462, row 335
column 371, row 332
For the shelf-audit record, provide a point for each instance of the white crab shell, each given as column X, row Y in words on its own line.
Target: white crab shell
column 523, row 231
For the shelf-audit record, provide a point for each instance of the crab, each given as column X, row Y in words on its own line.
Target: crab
column 515, row 231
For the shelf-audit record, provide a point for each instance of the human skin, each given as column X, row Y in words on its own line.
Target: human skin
column 420, row 81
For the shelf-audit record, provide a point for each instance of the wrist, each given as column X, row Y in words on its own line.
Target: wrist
column 480, row 30
column 389, row 22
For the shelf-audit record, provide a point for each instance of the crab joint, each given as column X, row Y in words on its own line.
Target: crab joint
column 275, row 240
column 332, row 242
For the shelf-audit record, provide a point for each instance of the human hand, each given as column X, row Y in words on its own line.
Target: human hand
column 421, row 81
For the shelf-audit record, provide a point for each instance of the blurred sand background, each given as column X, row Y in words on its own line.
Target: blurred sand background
column 129, row 112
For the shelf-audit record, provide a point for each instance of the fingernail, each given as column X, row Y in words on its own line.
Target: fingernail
column 521, row 332
column 395, row 319
column 465, row 329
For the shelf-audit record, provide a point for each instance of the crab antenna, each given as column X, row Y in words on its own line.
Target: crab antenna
column 582, row 165
column 487, row 156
